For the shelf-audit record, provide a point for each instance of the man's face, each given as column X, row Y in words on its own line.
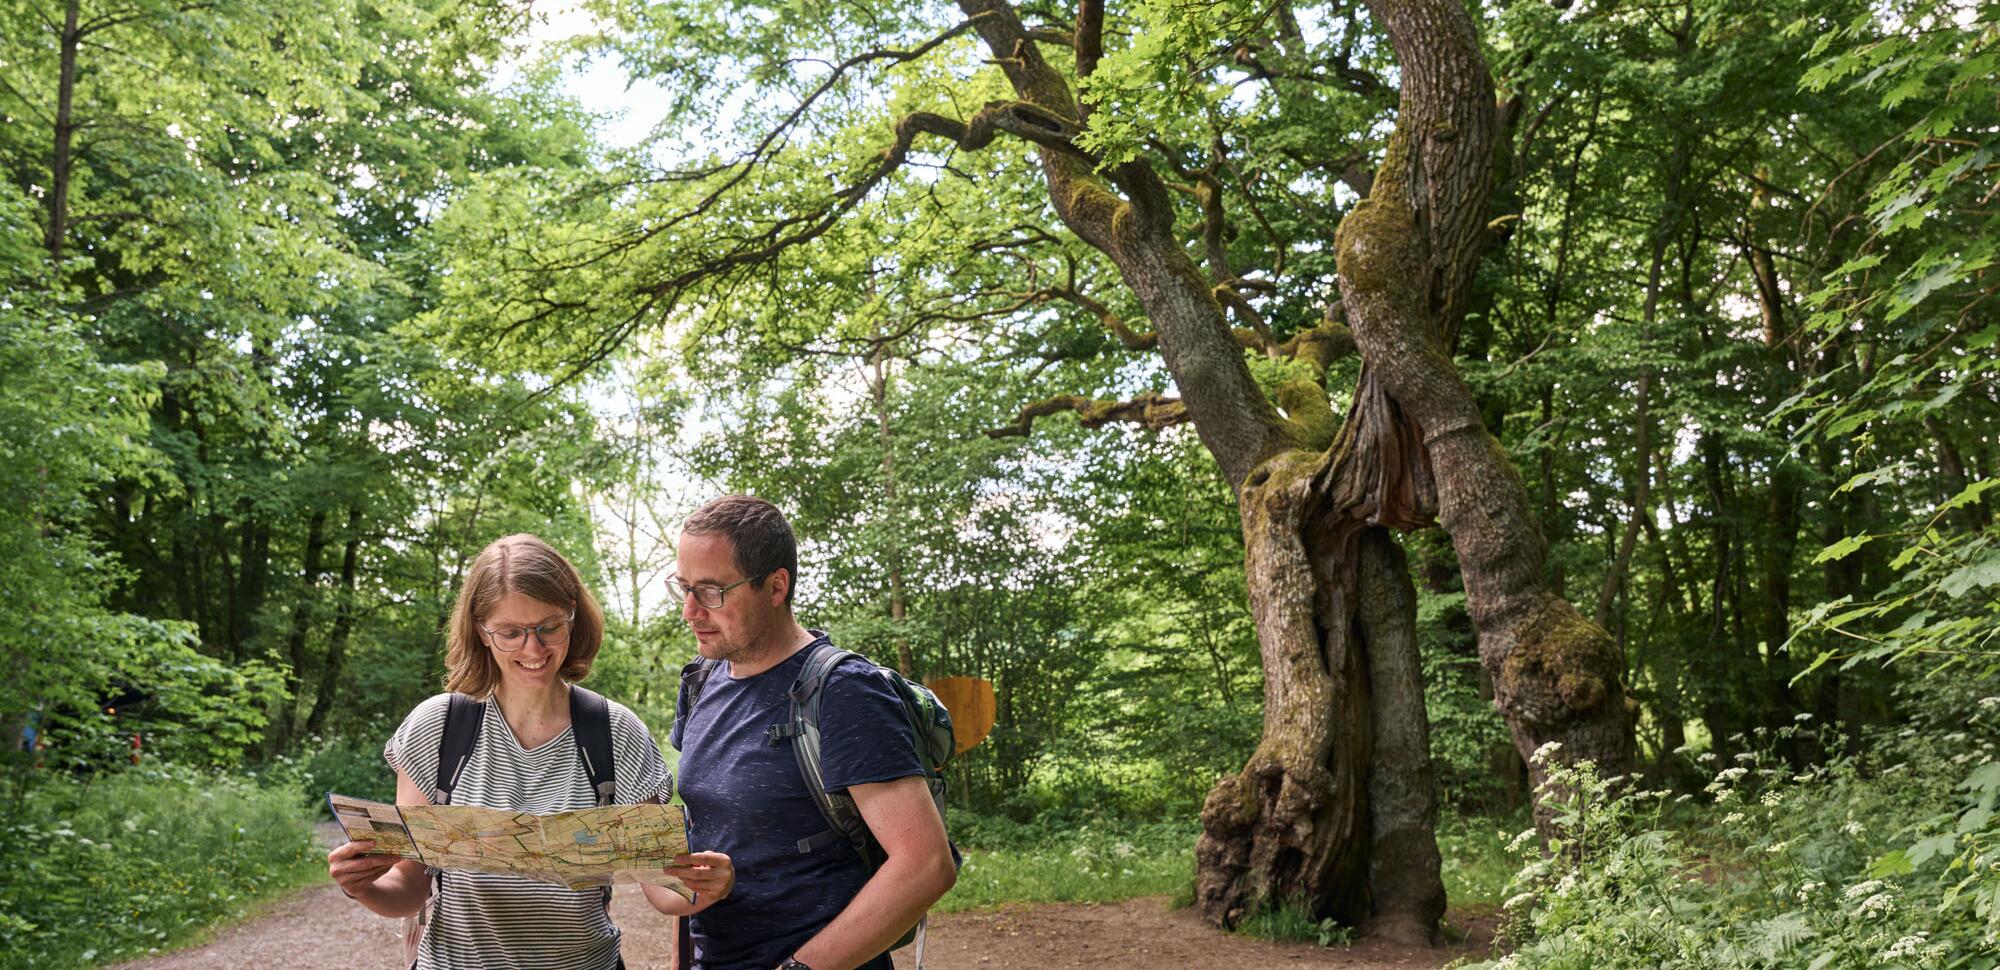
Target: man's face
column 748, row 616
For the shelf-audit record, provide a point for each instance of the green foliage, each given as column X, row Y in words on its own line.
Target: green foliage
column 1294, row 922
column 1468, row 738
column 138, row 862
column 350, row 765
column 1477, row 865
column 1093, row 862
column 1881, row 859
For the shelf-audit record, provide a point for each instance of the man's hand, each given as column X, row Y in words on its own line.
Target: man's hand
column 710, row 874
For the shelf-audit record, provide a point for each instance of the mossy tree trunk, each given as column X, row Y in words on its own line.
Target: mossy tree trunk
column 1336, row 806
column 1305, row 821
column 1406, row 256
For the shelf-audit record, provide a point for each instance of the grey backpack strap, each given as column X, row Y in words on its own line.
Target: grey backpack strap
column 844, row 823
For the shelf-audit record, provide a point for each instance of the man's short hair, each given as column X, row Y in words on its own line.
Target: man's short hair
column 758, row 535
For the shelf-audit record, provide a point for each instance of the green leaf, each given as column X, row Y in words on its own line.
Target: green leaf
column 1985, row 778
column 1846, row 425
column 1886, row 473
column 1981, row 574
column 1974, row 820
column 1844, row 548
column 1893, row 863
column 1924, row 850
column 1969, row 494
column 1903, row 558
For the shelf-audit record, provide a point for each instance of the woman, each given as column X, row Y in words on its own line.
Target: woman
column 523, row 627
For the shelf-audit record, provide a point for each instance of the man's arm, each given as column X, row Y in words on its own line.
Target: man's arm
column 916, row 873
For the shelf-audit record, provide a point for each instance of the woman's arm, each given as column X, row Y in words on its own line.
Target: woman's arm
column 385, row 885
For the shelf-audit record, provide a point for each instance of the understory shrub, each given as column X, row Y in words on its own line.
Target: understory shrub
column 136, row 862
column 1886, row 858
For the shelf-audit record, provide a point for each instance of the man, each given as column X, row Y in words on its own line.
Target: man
column 736, row 572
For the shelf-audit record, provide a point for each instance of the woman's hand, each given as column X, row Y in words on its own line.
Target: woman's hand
column 710, row 874
column 356, row 871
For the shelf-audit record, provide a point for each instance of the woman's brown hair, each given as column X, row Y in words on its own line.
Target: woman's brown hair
column 526, row 565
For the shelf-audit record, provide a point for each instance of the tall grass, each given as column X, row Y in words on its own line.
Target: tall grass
column 1096, row 861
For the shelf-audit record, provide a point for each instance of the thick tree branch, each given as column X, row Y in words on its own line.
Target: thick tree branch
column 1089, row 36
column 1152, row 410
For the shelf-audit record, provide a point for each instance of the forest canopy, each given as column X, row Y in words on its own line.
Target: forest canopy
column 1323, row 423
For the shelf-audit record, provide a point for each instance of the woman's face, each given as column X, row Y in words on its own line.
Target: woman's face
column 518, row 633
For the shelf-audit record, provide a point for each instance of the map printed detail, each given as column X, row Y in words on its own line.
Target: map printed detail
column 592, row 847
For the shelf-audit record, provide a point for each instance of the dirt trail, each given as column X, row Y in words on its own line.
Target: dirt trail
column 319, row 929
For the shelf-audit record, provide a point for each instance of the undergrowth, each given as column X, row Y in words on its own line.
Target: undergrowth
column 140, row 861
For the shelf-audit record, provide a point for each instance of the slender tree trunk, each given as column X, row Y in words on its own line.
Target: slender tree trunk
column 247, row 597
column 343, row 627
column 1951, row 473
column 61, row 158
column 295, row 644
column 878, row 388
column 1642, row 485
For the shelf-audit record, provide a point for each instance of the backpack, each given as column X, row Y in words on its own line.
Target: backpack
column 927, row 718
column 590, row 726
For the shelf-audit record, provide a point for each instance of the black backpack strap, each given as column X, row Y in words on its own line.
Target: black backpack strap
column 694, row 675
column 463, row 717
column 590, row 724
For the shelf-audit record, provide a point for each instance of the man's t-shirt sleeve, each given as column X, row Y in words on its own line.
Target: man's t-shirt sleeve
column 864, row 736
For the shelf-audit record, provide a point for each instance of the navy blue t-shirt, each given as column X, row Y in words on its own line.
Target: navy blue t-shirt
column 745, row 797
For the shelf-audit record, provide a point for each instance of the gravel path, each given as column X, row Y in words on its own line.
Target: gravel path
column 318, row 929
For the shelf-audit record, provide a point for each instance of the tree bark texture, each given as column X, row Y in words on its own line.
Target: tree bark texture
column 61, row 156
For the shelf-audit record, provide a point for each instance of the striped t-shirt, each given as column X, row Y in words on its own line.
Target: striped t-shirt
column 487, row 919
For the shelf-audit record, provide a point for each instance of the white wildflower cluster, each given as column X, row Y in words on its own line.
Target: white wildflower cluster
column 1861, row 889
column 1518, row 901
column 1908, row 947
column 1732, row 818
column 1526, row 836
column 1772, row 798
column 1745, row 757
column 1854, row 829
column 1915, row 947
column 1728, row 775
column 1878, row 906
column 1802, row 716
column 1545, row 752
column 1777, row 847
column 1806, row 890
column 1989, row 703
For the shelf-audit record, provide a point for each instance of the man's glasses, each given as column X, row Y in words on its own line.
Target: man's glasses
column 554, row 633
column 708, row 595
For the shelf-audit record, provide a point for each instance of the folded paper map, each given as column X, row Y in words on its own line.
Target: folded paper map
column 592, row 847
